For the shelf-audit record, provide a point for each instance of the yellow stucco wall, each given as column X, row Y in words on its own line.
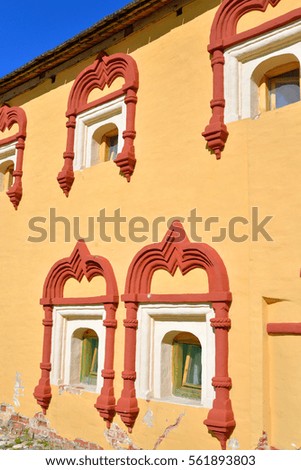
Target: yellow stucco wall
column 174, row 174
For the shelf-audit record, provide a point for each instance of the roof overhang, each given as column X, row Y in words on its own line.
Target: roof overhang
column 120, row 22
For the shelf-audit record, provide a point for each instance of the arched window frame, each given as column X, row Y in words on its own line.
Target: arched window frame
column 224, row 35
column 176, row 251
column 79, row 264
column 92, row 120
column 12, row 148
column 246, row 64
column 101, row 73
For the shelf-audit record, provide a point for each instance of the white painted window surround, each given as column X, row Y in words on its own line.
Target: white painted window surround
column 112, row 112
column 241, row 92
column 154, row 356
column 65, row 353
column 8, row 156
column 8, row 153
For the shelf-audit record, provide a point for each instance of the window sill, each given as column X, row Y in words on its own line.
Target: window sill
column 75, row 389
column 173, row 400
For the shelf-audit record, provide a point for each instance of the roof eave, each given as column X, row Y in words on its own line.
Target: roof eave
column 102, row 30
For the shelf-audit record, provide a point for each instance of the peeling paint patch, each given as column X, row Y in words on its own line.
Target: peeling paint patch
column 119, row 439
column 34, row 433
column 169, row 428
column 18, row 390
column 233, row 443
column 6, row 411
column 263, row 443
column 70, row 389
column 148, row 418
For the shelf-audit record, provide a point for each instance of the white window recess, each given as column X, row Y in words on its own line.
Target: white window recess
column 87, row 123
column 66, row 349
column 241, row 90
column 8, row 157
column 154, row 356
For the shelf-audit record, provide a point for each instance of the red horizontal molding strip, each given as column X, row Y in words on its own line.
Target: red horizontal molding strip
column 284, row 328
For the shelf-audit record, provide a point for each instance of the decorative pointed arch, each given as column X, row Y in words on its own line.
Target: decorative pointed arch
column 173, row 252
column 176, row 251
column 104, row 70
column 223, row 33
column 8, row 117
column 229, row 13
column 79, row 264
column 101, row 73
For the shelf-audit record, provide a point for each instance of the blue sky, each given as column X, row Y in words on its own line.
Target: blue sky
column 29, row 28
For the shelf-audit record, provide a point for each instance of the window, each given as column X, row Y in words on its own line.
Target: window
column 89, row 358
column 175, row 353
column 12, row 152
column 7, row 165
column 105, row 144
column 78, row 347
column 111, row 145
column 277, row 86
column 271, row 59
column 187, row 366
column 86, row 114
column 6, row 176
column 283, row 89
column 98, row 130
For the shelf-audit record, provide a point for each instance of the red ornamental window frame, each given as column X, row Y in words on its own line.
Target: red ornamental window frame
column 176, row 251
column 8, row 117
column 102, row 72
column 223, row 35
column 79, row 264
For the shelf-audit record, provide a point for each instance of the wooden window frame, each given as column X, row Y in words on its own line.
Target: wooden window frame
column 267, row 101
column 105, row 146
column 86, row 368
column 6, row 175
column 180, row 386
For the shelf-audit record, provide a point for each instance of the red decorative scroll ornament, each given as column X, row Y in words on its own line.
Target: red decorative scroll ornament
column 8, row 117
column 102, row 72
column 223, row 34
column 80, row 263
column 176, row 251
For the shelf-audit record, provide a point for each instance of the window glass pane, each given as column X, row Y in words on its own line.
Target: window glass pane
column 187, row 375
column 192, row 375
column 104, row 144
column 112, row 150
column 284, row 89
column 89, row 362
column 286, row 93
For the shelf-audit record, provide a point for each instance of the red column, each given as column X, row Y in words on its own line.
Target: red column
column 126, row 160
column 66, row 176
column 220, row 420
column 105, row 403
column 42, row 392
column 15, row 191
column 216, row 132
column 127, row 406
